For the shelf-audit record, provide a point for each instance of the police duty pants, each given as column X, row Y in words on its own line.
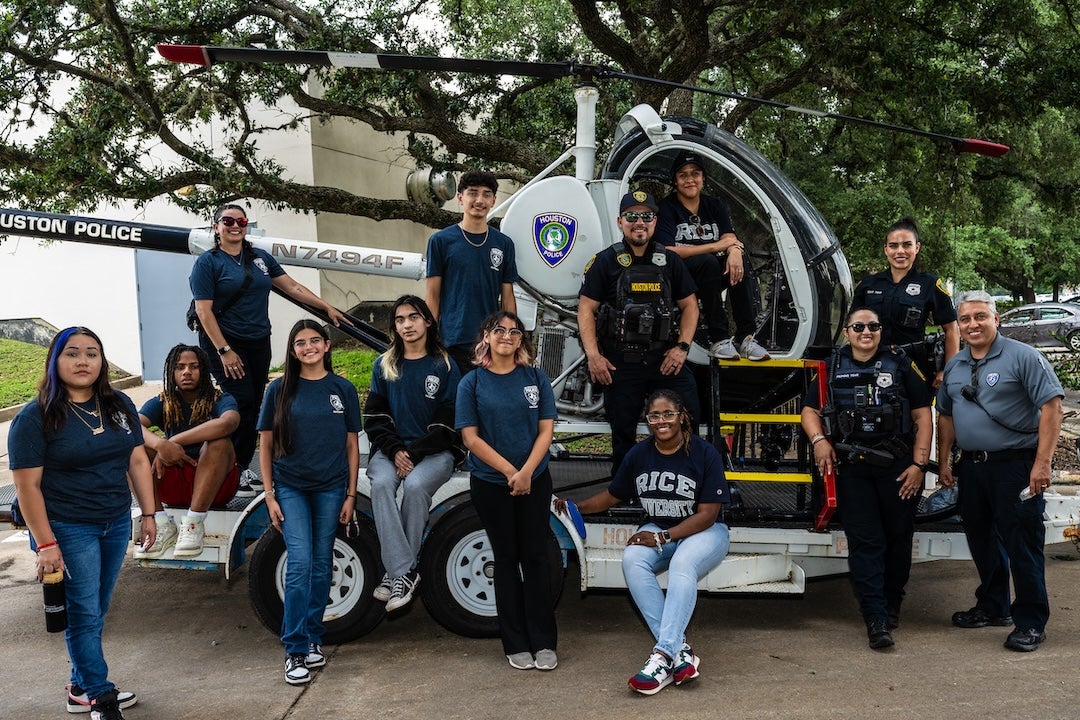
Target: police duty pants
column 879, row 525
column 624, row 399
column 711, row 278
column 1005, row 534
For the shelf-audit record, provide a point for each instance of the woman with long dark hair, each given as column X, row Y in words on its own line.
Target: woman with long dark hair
column 409, row 419
column 309, row 457
column 231, row 286
column 72, row 450
column 679, row 479
column 506, row 415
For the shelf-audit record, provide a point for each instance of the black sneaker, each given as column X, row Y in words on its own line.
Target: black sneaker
column 296, row 672
column 78, row 702
column 978, row 618
column 402, row 590
column 106, row 707
column 878, row 634
column 1025, row 640
column 248, row 481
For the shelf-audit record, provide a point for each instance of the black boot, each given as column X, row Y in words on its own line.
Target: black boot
column 878, row 633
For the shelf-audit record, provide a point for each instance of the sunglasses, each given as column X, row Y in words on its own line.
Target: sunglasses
column 633, row 217
column 499, row 330
column 859, row 327
column 229, row 221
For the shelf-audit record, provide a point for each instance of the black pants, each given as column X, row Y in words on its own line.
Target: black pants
column 517, row 527
column 879, row 525
column 624, row 398
column 708, row 273
column 1005, row 536
column 248, row 390
column 463, row 356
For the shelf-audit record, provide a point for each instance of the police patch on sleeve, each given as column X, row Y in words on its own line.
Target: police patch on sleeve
column 589, row 264
column 941, row 288
column 624, row 259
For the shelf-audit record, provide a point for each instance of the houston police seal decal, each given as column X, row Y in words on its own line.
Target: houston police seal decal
column 554, row 235
column 624, row 259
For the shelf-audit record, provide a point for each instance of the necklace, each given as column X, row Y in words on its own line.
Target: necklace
column 96, row 414
column 238, row 259
column 466, row 236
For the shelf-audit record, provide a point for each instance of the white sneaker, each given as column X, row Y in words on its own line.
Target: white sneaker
column 166, row 538
column 296, row 672
column 724, row 350
column 751, row 350
column 190, row 541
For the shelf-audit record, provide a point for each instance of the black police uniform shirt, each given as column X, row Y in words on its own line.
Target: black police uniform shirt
column 670, row 487
column 602, row 272
column 674, row 226
column 911, row 381
column 906, row 307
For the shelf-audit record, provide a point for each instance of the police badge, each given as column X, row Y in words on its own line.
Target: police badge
column 659, row 259
column 992, row 379
column 913, row 289
column 261, row 264
column 496, row 258
column 624, row 259
column 884, row 380
column 335, row 402
column 532, row 394
column 431, row 386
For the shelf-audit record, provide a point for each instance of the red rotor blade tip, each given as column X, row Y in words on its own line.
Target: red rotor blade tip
column 190, row 54
column 983, row 147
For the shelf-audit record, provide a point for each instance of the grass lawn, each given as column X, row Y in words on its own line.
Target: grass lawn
column 21, row 365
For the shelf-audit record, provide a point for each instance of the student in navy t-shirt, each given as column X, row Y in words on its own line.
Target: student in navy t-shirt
column 679, row 479
column 471, row 269
column 409, row 419
column 194, row 465
column 72, row 451
column 237, row 338
column 309, row 458
column 506, row 415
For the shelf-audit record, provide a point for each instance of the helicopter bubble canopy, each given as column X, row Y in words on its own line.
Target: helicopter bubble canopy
column 556, row 230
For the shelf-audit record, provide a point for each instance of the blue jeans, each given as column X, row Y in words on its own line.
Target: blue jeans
column 687, row 561
column 93, row 554
column 311, row 520
column 401, row 531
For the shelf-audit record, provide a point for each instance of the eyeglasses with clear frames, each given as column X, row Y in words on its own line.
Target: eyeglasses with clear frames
column 499, row 331
column 313, row 342
column 657, row 417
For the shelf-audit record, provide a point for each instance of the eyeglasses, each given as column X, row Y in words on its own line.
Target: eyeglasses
column 499, row 330
column 695, row 220
column 229, row 221
column 633, row 217
column 859, row 327
column 313, row 342
column 655, row 417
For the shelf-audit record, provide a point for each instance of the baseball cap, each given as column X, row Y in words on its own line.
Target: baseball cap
column 638, row 197
column 686, row 157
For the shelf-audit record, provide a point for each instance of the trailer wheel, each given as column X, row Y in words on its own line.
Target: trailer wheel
column 458, row 571
column 351, row 611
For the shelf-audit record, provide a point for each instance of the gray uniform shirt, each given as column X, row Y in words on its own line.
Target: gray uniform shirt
column 1013, row 381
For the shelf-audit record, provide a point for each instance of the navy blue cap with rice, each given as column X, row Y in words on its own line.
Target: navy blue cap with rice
column 638, row 197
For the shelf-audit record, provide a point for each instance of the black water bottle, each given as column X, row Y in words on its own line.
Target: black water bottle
column 55, row 601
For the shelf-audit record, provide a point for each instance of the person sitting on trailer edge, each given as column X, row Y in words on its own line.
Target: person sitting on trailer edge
column 194, row 464
column 409, row 419
column 679, row 479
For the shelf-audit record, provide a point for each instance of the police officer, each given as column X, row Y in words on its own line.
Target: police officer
column 906, row 298
column 637, row 313
column 1000, row 403
column 876, row 429
column 697, row 227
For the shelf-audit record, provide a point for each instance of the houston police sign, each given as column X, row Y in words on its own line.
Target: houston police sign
column 554, row 235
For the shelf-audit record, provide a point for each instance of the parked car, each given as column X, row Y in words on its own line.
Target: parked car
column 1044, row 324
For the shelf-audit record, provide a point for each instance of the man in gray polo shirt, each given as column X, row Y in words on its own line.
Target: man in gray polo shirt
column 1000, row 402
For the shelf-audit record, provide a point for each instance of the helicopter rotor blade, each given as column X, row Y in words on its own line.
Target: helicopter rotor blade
column 208, row 55
column 968, row 145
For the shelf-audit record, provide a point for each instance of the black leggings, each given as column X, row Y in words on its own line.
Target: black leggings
column 248, row 390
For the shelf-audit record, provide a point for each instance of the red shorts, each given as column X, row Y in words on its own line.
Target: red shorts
column 178, row 483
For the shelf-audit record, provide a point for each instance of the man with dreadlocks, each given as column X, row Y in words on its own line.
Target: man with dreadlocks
column 194, row 464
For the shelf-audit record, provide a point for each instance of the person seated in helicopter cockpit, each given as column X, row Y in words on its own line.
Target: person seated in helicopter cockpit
column 697, row 227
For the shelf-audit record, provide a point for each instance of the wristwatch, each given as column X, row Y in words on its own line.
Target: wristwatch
column 223, row 349
column 685, row 347
column 666, row 536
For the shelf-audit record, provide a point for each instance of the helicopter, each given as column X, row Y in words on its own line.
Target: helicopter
column 781, row 507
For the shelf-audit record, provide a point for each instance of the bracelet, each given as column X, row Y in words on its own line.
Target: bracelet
column 146, row 516
column 46, row 546
column 816, row 439
column 269, row 491
column 353, row 496
column 659, row 550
